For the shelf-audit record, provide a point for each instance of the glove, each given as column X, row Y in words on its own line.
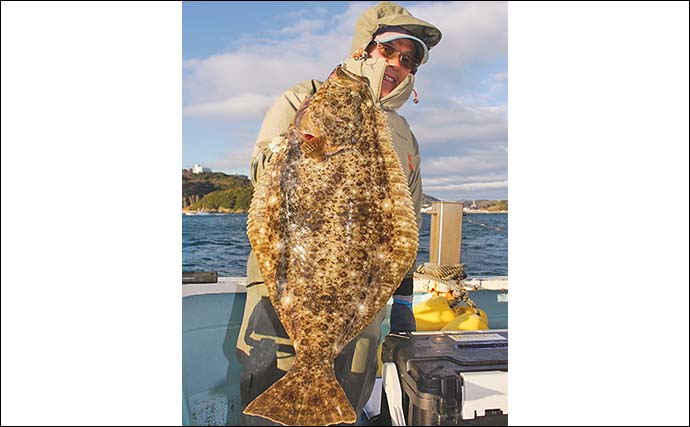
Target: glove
column 402, row 317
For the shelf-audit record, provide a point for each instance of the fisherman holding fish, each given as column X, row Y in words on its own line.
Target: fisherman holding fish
column 388, row 47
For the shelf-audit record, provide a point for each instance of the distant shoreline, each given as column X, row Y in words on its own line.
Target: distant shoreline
column 428, row 212
column 211, row 211
column 229, row 211
column 484, row 212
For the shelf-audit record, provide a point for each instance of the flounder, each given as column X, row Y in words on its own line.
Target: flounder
column 334, row 230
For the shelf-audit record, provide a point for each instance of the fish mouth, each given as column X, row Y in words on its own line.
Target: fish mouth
column 303, row 125
column 306, row 135
column 300, row 112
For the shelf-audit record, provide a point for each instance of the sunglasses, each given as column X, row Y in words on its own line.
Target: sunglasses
column 389, row 52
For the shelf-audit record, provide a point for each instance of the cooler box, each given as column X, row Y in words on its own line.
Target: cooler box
column 451, row 377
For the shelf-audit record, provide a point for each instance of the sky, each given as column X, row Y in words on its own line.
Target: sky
column 239, row 56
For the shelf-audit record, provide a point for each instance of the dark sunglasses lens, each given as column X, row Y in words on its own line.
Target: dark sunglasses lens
column 386, row 51
column 389, row 52
column 406, row 62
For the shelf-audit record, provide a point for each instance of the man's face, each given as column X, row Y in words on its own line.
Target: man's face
column 395, row 73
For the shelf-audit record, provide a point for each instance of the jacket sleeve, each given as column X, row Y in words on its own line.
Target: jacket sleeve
column 415, row 181
column 276, row 122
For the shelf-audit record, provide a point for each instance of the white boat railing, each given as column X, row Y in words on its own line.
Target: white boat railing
column 225, row 285
column 235, row 285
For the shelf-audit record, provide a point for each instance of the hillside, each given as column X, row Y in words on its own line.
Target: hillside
column 215, row 192
column 218, row 192
column 497, row 206
column 427, row 200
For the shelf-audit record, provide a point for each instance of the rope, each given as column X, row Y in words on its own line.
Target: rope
column 451, row 277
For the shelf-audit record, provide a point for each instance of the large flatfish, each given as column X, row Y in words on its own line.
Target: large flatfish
column 333, row 227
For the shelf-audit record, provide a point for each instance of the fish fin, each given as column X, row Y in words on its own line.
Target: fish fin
column 313, row 148
column 405, row 234
column 262, row 216
column 318, row 150
column 307, row 396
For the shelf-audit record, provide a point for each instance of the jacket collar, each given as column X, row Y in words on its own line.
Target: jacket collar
column 373, row 69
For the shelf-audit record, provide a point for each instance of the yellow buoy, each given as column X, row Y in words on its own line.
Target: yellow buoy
column 466, row 322
column 432, row 314
column 464, row 309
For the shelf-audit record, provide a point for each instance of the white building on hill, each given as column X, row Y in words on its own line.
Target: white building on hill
column 199, row 169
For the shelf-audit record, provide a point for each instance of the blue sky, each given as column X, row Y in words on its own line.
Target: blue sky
column 239, row 56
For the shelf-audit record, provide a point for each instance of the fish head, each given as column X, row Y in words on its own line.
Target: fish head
column 336, row 116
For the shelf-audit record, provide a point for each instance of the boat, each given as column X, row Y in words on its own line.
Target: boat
column 212, row 312
column 212, row 315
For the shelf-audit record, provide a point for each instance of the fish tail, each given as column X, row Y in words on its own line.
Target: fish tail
column 305, row 396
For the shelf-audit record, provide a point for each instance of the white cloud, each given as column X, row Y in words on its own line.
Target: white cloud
column 463, row 179
column 303, row 26
column 496, row 83
column 225, row 75
column 265, row 67
column 500, row 77
column 479, row 102
column 234, row 161
column 300, row 49
column 455, row 188
column 461, row 123
column 474, row 164
column 463, row 103
column 244, row 106
column 471, row 30
column 467, row 186
column 461, row 132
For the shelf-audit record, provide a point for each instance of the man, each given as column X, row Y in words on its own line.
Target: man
column 388, row 46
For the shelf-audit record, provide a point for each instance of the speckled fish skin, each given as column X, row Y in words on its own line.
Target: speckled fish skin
column 334, row 230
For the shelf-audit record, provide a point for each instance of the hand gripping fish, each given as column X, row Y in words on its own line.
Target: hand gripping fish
column 334, row 230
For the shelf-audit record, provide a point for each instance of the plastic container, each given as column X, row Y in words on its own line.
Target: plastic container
column 451, row 378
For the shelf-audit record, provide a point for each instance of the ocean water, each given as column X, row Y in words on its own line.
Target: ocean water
column 219, row 243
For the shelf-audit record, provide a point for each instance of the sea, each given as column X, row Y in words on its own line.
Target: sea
column 218, row 242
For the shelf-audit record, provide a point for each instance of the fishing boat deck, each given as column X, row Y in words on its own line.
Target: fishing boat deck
column 212, row 315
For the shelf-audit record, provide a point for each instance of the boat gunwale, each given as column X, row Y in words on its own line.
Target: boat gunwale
column 237, row 285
